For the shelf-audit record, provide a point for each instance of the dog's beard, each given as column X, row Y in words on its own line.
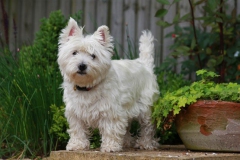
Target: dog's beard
column 83, row 80
column 88, row 79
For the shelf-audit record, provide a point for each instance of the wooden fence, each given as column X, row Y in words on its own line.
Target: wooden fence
column 122, row 17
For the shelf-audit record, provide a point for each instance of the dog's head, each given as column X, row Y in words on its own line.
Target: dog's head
column 84, row 60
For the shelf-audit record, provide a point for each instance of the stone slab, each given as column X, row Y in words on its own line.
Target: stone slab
column 166, row 152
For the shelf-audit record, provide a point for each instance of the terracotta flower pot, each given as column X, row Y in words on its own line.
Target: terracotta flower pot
column 210, row 126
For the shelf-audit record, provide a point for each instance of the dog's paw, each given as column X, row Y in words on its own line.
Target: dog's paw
column 147, row 145
column 75, row 144
column 129, row 141
column 114, row 147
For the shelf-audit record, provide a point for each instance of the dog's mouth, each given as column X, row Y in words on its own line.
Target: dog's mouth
column 76, row 87
column 81, row 72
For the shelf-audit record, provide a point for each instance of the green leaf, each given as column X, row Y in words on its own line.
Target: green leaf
column 208, row 10
column 176, row 109
column 219, row 20
column 212, row 4
column 191, row 99
column 201, row 72
column 208, row 50
column 183, row 49
column 176, row 18
column 182, row 102
column 163, row 23
column 199, row 2
column 166, row 2
column 211, row 62
column 176, row 54
column 186, row 17
column 193, row 43
column 175, row 1
column 161, row 12
column 219, row 59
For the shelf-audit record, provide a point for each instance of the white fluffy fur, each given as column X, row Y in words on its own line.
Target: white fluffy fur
column 120, row 90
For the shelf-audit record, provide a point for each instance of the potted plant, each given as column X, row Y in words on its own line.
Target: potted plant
column 207, row 113
column 203, row 113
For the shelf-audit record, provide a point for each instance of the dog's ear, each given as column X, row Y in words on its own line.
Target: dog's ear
column 103, row 36
column 71, row 29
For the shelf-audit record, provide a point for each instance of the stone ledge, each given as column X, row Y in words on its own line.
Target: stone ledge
column 166, row 152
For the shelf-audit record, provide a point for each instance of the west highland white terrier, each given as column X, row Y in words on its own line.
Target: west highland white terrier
column 106, row 94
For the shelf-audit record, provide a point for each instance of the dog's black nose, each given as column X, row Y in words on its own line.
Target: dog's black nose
column 82, row 67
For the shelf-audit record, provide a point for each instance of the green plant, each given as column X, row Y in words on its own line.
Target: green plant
column 204, row 89
column 211, row 41
column 25, row 116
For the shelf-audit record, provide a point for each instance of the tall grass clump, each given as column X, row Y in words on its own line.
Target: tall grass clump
column 29, row 86
column 25, row 117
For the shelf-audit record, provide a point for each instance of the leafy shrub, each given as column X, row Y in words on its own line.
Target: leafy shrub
column 59, row 126
column 213, row 44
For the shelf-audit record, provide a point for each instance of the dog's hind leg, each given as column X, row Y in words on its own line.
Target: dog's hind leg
column 146, row 138
column 129, row 140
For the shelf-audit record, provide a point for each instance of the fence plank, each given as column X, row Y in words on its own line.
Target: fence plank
column 116, row 24
column 102, row 12
column 229, row 6
column 184, row 8
column 12, row 27
column 52, row 5
column 77, row 5
column 4, row 27
column 39, row 13
column 89, row 15
column 168, row 41
column 65, row 7
column 142, row 19
column 156, row 30
column 129, row 27
column 28, row 21
column 238, row 6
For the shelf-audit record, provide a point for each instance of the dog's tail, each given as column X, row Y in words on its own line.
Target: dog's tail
column 146, row 48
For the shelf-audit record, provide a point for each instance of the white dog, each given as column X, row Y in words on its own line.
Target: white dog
column 106, row 94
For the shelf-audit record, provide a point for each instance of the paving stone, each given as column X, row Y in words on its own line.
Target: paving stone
column 166, row 152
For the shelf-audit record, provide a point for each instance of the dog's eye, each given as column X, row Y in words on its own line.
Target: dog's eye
column 74, row 53
column 93, row 56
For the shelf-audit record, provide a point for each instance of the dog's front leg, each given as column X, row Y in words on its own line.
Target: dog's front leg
column 112, row 131
column 78, row 133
